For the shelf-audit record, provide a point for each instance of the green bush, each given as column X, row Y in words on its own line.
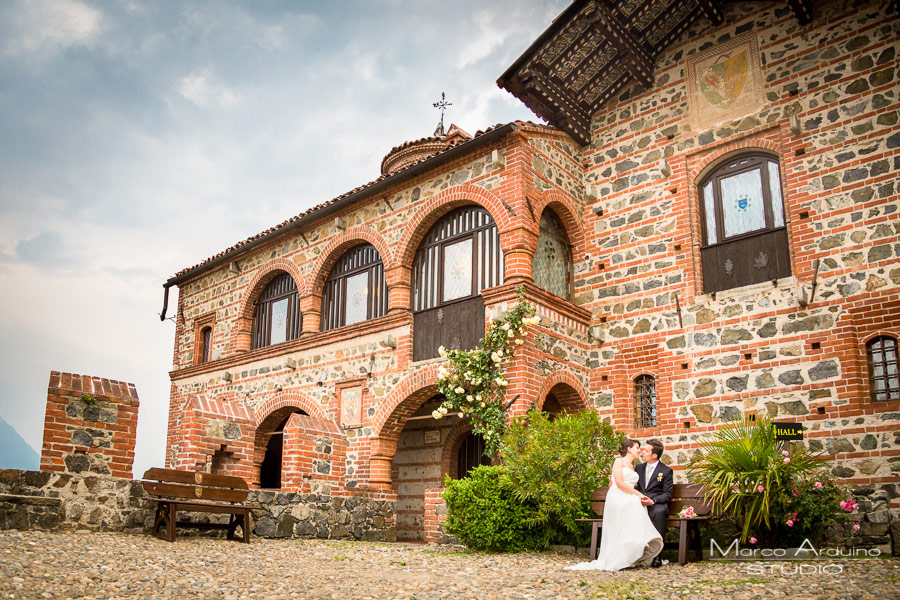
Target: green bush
column 485, row 514
column 746, row 472
column 806, row 509
column 557, row 464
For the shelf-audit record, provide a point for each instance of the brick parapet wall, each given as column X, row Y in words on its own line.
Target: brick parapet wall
column 90, row 425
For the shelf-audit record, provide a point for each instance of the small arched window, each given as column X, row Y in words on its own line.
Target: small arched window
column 744, row 235
column 644, row 401
column 206, row 343
column 883, row 378
column 355, row 290
column 277, row 316
column 552, row 264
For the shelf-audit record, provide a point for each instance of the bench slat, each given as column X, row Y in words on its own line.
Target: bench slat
column 225, row 509
column 195, row 478
column 194, row 492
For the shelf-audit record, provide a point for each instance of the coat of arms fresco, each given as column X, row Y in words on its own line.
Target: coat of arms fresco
column 725, row 82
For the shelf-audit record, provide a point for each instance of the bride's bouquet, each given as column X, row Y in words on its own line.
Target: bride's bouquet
column 687, row 513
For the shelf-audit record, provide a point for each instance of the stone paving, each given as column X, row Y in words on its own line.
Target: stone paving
column 90, row 565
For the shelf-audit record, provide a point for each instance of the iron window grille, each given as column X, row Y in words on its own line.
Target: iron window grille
column 883, row 378
column 645, row 401
column 277, row 316
column 355, row 290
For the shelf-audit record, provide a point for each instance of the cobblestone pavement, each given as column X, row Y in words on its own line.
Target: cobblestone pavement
column 88, row 565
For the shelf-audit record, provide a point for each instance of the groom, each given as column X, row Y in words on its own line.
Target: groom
column 655, row 482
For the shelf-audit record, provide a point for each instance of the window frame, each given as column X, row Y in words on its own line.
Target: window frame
column 207, row 321
column 730, row 168
column 570, row 262
column 261, row 334
column 339, row 275
column 641, row 384
column 205, row 344
column 892, row 393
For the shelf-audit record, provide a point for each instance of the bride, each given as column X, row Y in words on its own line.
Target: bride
column 628, row 538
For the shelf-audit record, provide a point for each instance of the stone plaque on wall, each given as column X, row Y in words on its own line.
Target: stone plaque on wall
column 725, row 82
column 433, row 437
column 351, row 406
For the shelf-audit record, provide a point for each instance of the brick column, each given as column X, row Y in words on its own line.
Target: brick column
column 311, row 307
column 435, row 514
column 90, row 425
column 519, row 246
column 383, row 450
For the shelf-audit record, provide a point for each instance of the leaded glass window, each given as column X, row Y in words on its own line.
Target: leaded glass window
column 552, row 264
column 277, row 317
column 883, row 378
column 355, row 290
column 644, row 401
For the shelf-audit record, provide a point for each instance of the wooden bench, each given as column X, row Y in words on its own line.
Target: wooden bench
column 688, row 529
column 190, row 491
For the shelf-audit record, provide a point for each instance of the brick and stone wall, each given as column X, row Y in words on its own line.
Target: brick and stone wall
column 638, row 305
column 90, row 425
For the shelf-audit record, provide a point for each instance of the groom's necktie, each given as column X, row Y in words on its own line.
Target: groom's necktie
column 649, row 474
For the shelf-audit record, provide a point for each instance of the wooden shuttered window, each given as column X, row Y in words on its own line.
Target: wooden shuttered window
column 459, row 256
column 744, row 233
column 355, row 290
column 277, row 316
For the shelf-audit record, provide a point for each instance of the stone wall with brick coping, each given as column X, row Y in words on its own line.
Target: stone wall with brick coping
column 90, row 425
column 61, row 501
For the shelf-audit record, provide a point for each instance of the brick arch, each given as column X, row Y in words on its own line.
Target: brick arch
column 568, row 390
column 282, row 400
column 569, row 215
column 454, row 440
column 432, row 209
column 701, row 168
column 406, row 397
column 336, row 247
column 240, row 335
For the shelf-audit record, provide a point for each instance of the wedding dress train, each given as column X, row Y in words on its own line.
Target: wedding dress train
column 628, row 537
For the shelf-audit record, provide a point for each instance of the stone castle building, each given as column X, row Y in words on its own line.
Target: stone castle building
column 708, row 227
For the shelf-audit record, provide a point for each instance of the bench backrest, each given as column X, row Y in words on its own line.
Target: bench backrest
column 683, row 494
column 193, row 485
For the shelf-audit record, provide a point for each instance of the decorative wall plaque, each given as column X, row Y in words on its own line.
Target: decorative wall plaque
column 725, row 82
column 433, row 437
column 351, row 406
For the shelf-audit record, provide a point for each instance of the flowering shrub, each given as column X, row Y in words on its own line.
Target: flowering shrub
column 806, row 508
column 473, row 382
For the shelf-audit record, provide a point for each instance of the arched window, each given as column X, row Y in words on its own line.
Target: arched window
column 552, row 264
column 355, row 290
column 744, row 235
column 277, row 316
column 644, row 401
column 883, row 378
column 206, row 343
column 459, row 257
column 470, row 455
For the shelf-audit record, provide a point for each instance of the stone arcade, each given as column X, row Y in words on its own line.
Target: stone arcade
column 708, row 227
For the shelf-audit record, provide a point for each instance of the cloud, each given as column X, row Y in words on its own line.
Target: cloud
column 45, row 250
column 35, row 25
column 202, row 89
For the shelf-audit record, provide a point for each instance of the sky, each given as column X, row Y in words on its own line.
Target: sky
column 140, row 138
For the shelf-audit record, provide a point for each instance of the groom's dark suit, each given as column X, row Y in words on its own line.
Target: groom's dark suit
column 659, row 489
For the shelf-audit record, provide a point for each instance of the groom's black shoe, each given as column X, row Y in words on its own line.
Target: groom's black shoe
column 657, row 562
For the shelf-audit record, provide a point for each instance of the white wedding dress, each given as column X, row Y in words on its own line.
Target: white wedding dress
column 628, row 537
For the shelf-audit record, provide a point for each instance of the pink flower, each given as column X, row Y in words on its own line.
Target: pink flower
column 789, row 523
column 753, row 540
column 856, row 527
column 786, row 460
column 761, row 489
column 818, row 484
column 785, row 453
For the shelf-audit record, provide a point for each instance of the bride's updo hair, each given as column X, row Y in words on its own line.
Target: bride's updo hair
column 625, row 445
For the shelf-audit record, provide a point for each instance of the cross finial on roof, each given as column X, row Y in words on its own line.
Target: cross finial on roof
column 443, row 104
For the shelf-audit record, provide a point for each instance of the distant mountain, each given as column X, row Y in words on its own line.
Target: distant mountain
column 15, row 453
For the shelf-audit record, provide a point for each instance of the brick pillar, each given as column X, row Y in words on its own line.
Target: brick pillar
column 90, row 425
column 399, row 285
column 383, row 450
column 435, row 514
column 519, row 246
column 311, row 307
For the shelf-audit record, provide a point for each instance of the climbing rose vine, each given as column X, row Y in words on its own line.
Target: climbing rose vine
column 473, row 382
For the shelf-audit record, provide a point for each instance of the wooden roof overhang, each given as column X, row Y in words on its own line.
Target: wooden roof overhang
column 596, row 48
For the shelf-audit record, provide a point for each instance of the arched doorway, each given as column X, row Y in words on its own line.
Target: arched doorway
column 458, row 257
column 269, row 447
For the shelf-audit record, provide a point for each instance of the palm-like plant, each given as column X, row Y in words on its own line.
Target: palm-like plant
column 744, row 469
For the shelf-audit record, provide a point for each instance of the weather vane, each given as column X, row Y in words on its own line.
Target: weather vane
column 443, row 104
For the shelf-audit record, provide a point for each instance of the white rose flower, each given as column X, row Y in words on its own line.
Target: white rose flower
column 443, row 409
column 519, row 342
column 459, row 390
column 442, row 351
column 483, row 405
column 510, row 334
column 478, row 397
column 505, row 327
column 437, row 414
column 469, row 398
column 459, row 414
column 495, row 357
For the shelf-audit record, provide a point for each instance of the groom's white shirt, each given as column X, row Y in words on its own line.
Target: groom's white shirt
column 648, row 473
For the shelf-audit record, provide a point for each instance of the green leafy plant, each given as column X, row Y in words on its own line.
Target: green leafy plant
column 474, row 383
column 744, row 470
column 556, row 464
column 485, row 514
column 88, row 399
column 806, row 508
